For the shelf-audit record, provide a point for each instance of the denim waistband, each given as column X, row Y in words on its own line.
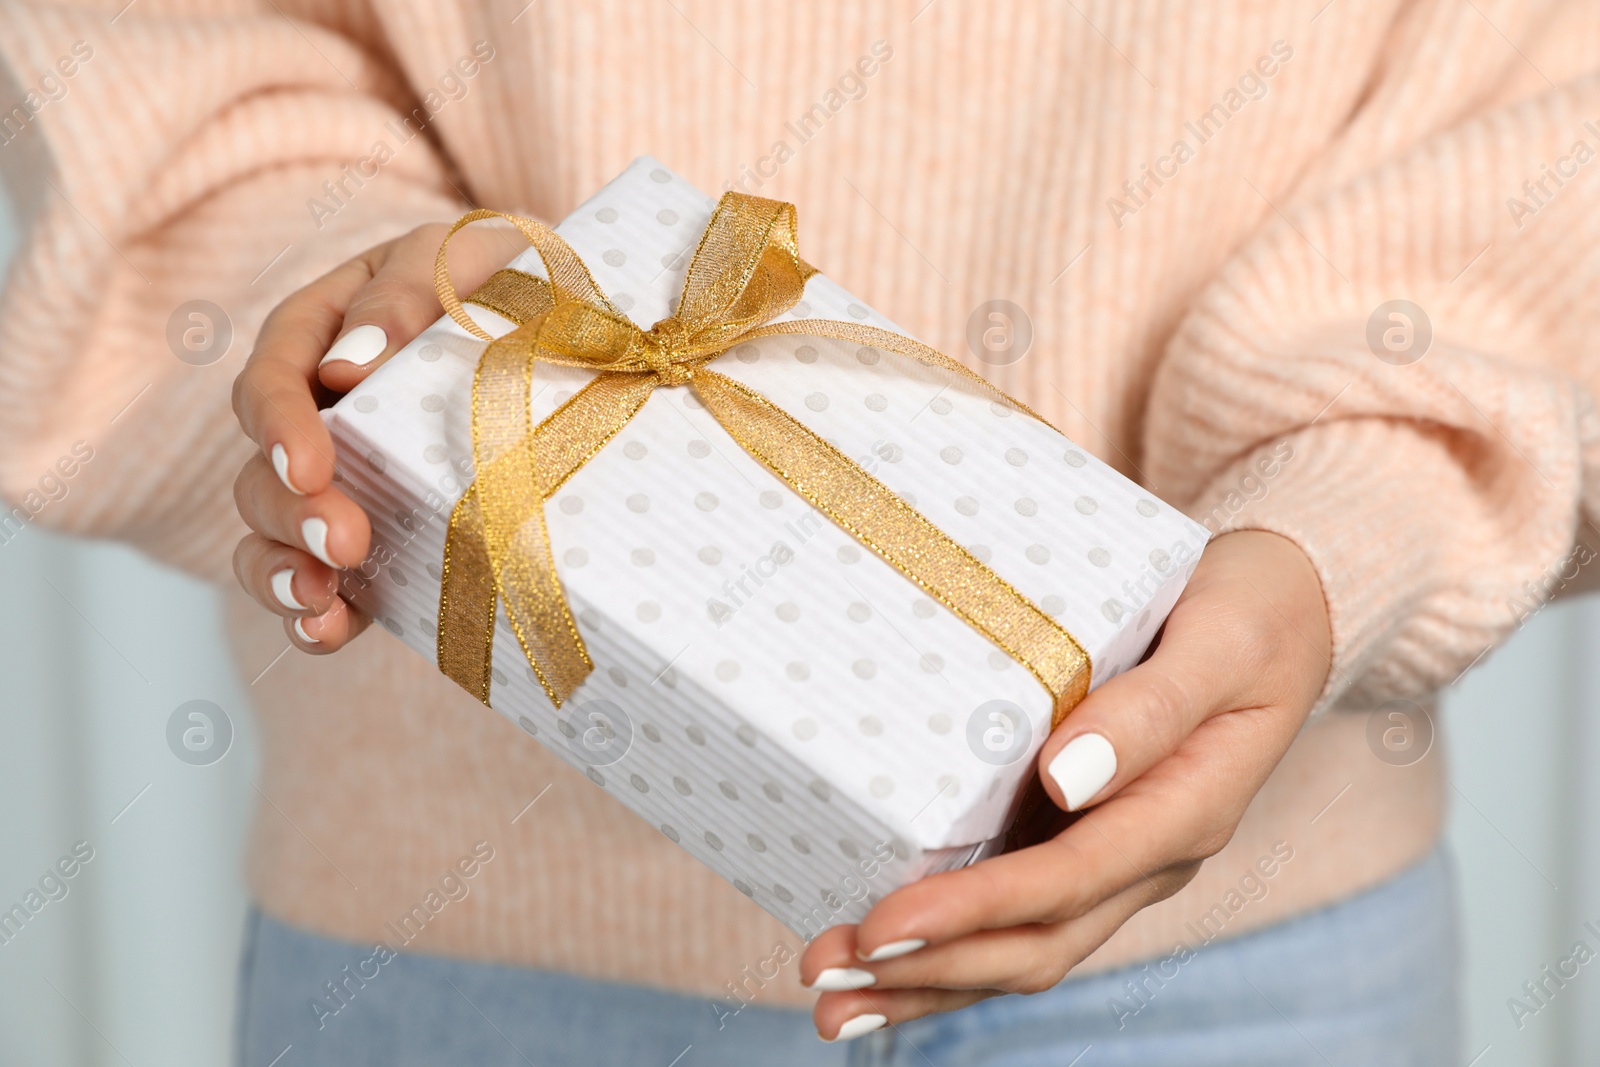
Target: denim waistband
column 1370, row 980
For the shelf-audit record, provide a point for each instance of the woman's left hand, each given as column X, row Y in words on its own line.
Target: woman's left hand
column 1171, row 753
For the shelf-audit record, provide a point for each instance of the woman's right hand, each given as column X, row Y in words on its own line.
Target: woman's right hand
column 315, row 346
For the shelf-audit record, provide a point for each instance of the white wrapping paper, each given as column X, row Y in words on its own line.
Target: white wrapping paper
column 772, row 696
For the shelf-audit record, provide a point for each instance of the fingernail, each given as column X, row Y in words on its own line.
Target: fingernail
column 315, row 533
column 360, row 346
column 861, row 1024
column 300, row 629
column 893, row 950
column 840, row 979
column 283, row 589
column 1083, row 768
column 280, row 463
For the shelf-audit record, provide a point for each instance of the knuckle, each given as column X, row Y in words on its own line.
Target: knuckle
column 1168, row 882
column 248, row 499
column 1257, row 636
column 1042, row 977
column 386, row 292
column 428, row 234
column 241, row 492
column 1069, row 907
column 396, row 301
column 246, row 397
column 273, row 315
column 1167, row 710
column 239, row 551
column 278, row 400
column 1209, row 842
column 1180, row 876
column 236, row 394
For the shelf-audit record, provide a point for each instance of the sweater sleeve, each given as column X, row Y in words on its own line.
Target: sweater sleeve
column 168, row 172
column 1398, row 371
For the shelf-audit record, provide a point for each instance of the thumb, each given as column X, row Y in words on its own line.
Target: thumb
column 1125, row 727
column 1249, row 631
column 399, row 301
column 1139, row 718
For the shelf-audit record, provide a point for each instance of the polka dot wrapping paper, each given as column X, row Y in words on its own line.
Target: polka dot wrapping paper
column 767, row 692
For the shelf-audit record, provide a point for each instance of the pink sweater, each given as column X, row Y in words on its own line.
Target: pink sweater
column 1200, row 206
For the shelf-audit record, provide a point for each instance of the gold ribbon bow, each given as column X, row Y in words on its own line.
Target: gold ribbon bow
column 746, row 271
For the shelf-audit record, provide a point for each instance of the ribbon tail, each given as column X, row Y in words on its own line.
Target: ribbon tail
column 575, row 432
column 914, row 546
column 522, row 574
column 465, row 641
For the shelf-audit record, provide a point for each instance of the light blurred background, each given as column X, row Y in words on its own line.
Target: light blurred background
column 136, row 965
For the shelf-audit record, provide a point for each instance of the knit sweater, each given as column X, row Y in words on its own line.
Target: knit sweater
column 1204, row 207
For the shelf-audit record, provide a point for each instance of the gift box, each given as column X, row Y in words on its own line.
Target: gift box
column 799, row 708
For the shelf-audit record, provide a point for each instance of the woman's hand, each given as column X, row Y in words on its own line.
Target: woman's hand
column 317, row 344
column 1171, row 752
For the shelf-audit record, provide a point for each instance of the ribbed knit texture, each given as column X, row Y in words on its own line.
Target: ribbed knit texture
column 1220, row 313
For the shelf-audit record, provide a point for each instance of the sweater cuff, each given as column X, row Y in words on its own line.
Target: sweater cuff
column 1367, row 501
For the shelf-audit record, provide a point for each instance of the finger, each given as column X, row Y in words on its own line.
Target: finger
column 1017, row 959
column 1216, row 651
column 846, row 1016
column 273, row 396
column 1179, row 812
column 328, row 525
column 829, row 963
column 1215, row 643
column 400, row 301
column 283, row 579
column 328, row 632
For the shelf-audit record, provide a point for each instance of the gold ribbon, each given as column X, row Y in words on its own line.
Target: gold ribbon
column 746, row 271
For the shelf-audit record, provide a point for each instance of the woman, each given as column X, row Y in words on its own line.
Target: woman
column 1316, row 276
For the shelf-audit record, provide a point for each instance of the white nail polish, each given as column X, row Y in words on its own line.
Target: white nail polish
column 861, row 1024
column 841, row 979
column 315, row 533
column 360, row 346
column 283, row 589
column 301, row 631
column 280, row 463
column 894, row 950
column 1083, row 768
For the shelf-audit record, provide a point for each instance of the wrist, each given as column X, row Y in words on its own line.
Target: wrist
column 1282, row 605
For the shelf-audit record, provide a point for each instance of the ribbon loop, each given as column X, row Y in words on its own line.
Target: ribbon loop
column 746, row 271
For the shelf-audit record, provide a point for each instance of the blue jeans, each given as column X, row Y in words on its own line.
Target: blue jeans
column 1367, row 982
